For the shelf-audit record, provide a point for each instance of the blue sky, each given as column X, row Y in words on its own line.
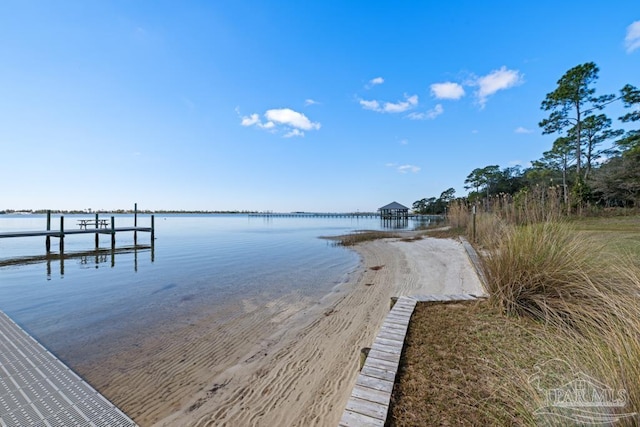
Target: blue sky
column 285, row 105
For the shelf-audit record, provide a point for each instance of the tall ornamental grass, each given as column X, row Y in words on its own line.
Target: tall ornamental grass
column 588, row 296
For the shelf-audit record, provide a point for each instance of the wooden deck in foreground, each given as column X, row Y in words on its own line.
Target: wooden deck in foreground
column 371, row 395
column 37, row 389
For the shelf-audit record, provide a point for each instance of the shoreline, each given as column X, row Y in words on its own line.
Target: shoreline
column 291, row 362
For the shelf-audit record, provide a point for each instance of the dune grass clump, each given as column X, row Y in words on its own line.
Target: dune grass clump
column 588, row 295
column 542, row 268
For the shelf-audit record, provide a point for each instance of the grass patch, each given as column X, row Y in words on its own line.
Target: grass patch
column 468, row 364
column 447, row 232
column 363, row 236
column 412, row 238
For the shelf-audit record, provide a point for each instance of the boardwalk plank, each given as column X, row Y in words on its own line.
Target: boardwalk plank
column 387, row 365
column 390, row 336
column 371, row 395
column 371, row 409
column 354, row 419
column 382, row 374
column 391, row 349
column 384, row 356
column 374, row 383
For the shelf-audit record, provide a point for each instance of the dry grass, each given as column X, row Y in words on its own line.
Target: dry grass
column 446, row 232
column 468, row 364
column 562, row 290
column 362, row 236
column 584, row 286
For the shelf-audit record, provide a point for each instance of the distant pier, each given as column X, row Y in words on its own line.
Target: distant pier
column 338, row 215
column 315, row 215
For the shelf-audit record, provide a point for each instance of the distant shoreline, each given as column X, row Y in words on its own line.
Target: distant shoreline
column 117, row 211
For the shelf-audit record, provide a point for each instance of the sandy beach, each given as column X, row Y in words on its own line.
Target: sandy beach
column 291, row 362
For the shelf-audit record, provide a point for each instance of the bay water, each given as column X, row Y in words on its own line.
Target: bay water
column 199, row 264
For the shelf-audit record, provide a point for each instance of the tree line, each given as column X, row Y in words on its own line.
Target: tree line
column 591, row 162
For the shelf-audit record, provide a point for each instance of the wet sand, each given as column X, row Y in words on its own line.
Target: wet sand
column 291, row 362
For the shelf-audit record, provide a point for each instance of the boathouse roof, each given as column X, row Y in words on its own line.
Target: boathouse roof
column 394, row 206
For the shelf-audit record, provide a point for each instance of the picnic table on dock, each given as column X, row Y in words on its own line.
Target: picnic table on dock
column 100, row 223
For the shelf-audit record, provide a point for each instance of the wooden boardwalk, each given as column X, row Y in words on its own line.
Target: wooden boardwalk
column 371, row 395
column 37, row 389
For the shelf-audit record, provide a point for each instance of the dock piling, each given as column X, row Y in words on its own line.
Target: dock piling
column 97, row 234
column 61, row 234
column 135, row 224
column 47, row 242
column 113, row 233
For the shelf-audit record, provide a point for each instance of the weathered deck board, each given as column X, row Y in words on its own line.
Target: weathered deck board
column 375, row 383
column 366, row 407
column 36, row 388
column 382, row 374
column 356, row 419
column 381, row 364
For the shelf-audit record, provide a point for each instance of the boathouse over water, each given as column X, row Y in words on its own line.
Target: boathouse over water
column 394, row 210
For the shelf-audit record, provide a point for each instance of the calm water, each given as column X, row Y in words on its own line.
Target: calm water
column 199, row 263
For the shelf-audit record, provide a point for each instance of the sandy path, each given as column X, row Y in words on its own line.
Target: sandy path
column 292, row 363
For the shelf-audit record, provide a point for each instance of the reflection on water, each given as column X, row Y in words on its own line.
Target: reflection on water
column 86, row 259
column 97, row 256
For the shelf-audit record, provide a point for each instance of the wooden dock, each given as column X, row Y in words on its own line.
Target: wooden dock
column 102, row 226
column 37, row 389
column 371, row 395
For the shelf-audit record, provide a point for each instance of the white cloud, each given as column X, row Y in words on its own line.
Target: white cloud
column 431, row 114
column 495, row 81
column 284, row 120
column 251, row 120
column 404, row 141
column 417, row 116
column 370, row 105
column 632, row 40
column 521, row 129
column 308, row 102
column 288, row 117
column 447, row 90
column 294, row 132
column 374, row 82
column 401, row 106
column 435, row 112
column 404, row 168
column 408, row 168
column 390, row 107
